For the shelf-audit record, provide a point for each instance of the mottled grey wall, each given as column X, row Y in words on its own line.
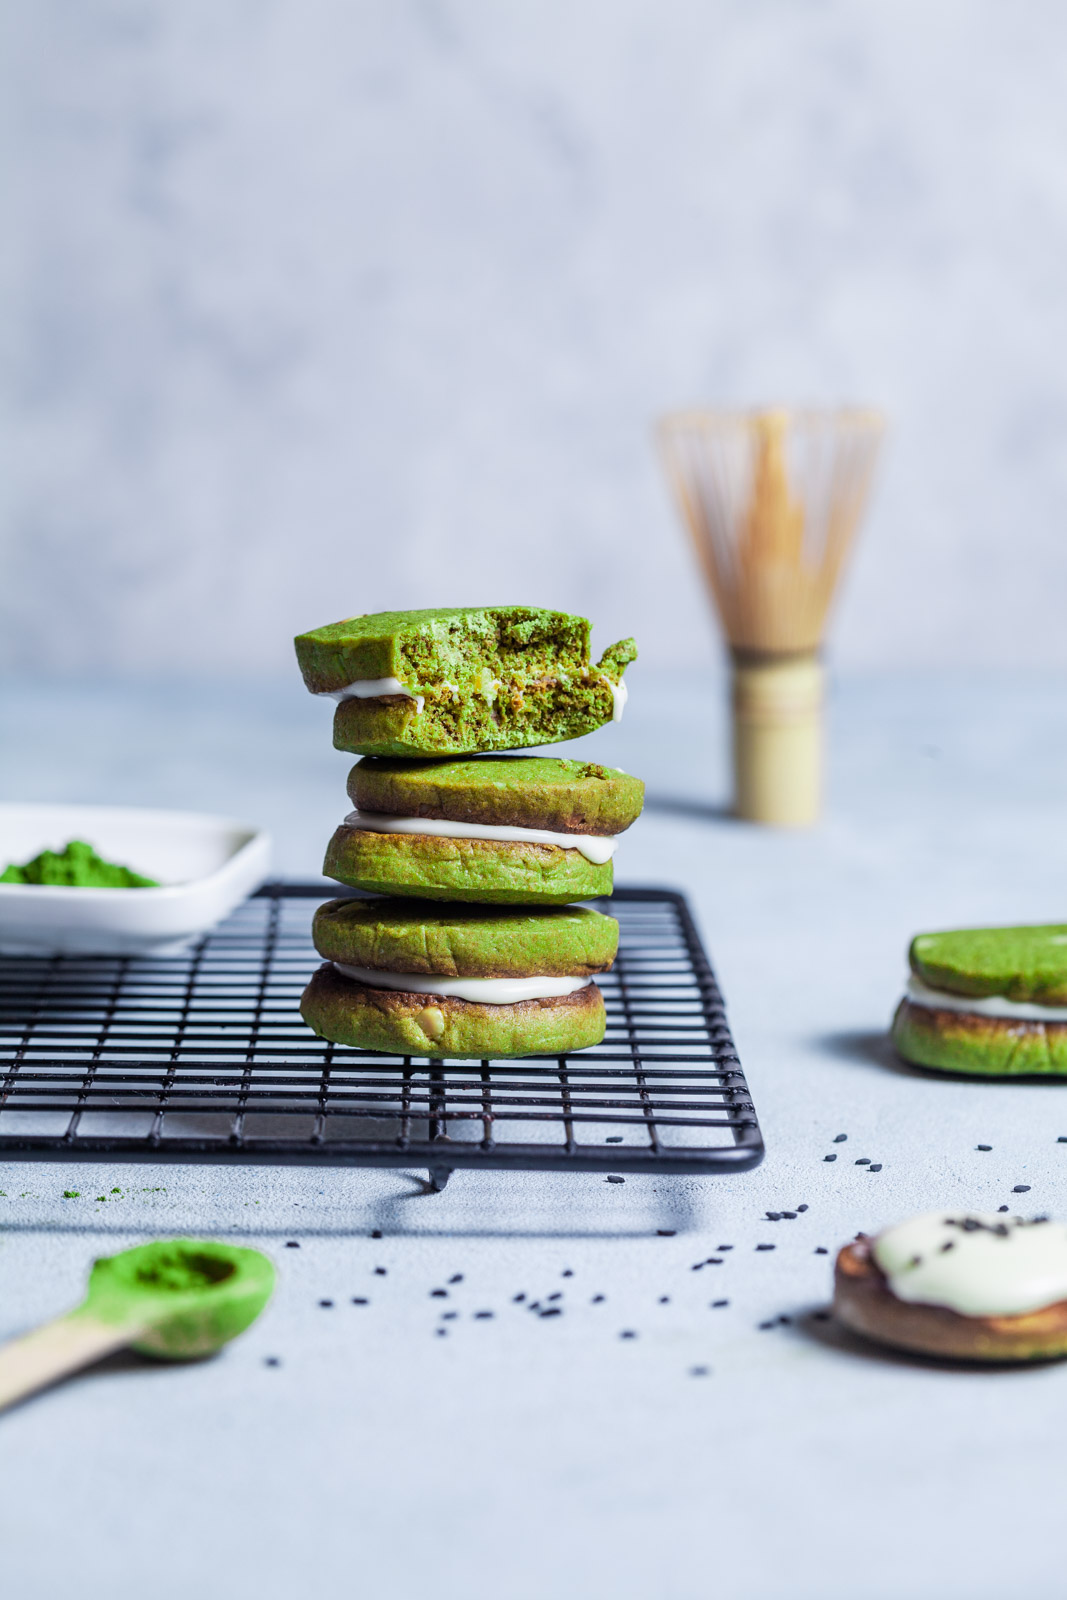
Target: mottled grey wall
column 316, row 306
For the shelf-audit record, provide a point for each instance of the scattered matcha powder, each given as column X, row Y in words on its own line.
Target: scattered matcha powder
column 76, row 866
column 72, row 1194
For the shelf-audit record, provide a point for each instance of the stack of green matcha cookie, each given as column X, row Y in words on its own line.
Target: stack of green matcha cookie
column 505, row 967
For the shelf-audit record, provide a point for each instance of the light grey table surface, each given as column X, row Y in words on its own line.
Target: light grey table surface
column 519, row 1457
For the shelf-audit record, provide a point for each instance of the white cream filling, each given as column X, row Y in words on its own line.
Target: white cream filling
column 373, row 689
column 1003, row 1267
column 619, row 696
column 485, row 991
column 993, row 1005
column 594, row 847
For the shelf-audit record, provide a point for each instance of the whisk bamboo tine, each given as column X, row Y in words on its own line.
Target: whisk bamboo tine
column 772, row 500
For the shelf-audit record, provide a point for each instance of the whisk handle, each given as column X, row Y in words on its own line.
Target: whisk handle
column 778, row 739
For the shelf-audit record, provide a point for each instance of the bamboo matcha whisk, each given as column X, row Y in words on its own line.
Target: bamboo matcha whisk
column 772, row 499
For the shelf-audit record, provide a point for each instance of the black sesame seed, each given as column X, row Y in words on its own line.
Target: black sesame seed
column 597, row 1298
column 983, row 1147
column 839, row 1138
column 1062, row 1139
column 271, row 1361
column 535, row 1305
column 627, row 1333
column 715, row 1304
column 821, row 1250
column 326, row 1303
column 557, row 1296
column 457, row 1277
column 829, row 1158
column 519, row 1297
column 765, row 1247
column 449, row 1316
column 376, row 1233
column 567, row 1273
column 613, row 1177
column 697, row 1266
column 713, row 1261
column 875, row 1166
column 440, row 1332
column 763, row 1326
column 949, row 1244
column 785, row 1319
column 666, row 1233
column 802, row 1208
column 789, row 1216
column 664, row 1300
column 724, row 1247
column 1021, row 1188
column 698, row 1372
column 480, row 1316
column 864, row 1161
column 553, row 1311
column 774, row 1216
column 292, row 1244
column 438, row 1294
column 1002, row 1208
column 380, row 1272
column 613, row 1138
column 358, row 1300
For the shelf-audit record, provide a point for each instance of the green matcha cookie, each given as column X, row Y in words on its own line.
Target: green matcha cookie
column 1025, row 964
column 514, row 791
column 469, row 941
column 994, row 1047
column 396, row 1023
column 493, row 871
column 458, row 681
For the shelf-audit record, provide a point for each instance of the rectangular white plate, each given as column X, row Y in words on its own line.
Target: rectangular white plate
column 205, row 866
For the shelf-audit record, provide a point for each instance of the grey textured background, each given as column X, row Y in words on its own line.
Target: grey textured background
column 318, row 306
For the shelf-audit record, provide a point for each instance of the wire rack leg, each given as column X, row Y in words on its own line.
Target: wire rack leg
column 439, row 1176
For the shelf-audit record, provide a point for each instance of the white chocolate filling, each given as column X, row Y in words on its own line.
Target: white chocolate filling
column 594, row 847
column 993, row 1005
column 373, row 689
column 619, row 696
column 484, row 991
column 977, row 1263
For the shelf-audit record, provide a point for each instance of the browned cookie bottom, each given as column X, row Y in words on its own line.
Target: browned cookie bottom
column 398, row 1023
column 864, row 1302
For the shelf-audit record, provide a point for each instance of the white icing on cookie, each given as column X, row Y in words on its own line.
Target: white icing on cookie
column 373, row 689
column 597, row 848
column 992, row 1005
column 486, row 991
column 977, row 1263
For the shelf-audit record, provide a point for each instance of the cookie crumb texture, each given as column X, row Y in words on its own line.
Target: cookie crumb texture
column 388, row 1020
column 991, row 1047
column 489, row 871
column 490, row 678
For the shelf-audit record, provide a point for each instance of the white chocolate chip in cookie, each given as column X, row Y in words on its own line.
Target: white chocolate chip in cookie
column 432, row 1022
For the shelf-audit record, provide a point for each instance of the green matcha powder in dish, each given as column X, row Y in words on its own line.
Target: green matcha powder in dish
column 77, row 866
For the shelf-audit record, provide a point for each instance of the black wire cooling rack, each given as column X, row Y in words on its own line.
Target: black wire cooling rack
column 203, row 1057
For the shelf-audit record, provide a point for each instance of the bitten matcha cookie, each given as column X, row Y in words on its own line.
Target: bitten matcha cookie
column 410, row 978
column 476, row 678
column 989, row 1001
column 980, row 1287
column 520, row 830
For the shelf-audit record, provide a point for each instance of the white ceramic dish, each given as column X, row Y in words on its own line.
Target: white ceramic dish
column 205, row 866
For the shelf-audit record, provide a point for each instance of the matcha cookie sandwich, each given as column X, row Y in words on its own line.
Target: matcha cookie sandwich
column 988, row 1001
column 454, row 682
column 410, row 977
column 512, row 830
column 975, row 1286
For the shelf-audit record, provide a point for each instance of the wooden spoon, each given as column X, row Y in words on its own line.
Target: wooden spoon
column 175, row 1299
